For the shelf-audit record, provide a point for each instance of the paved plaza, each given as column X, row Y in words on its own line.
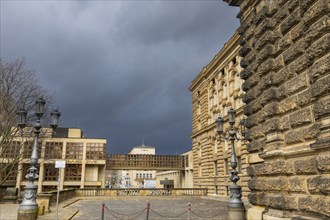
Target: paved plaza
column 132, row 207
column 160, row 208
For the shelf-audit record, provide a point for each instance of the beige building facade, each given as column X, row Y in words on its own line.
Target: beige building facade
column 215, row 90
column 84, row 158
column 181, row 179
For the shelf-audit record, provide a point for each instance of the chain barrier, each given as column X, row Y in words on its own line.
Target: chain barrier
column 135, row 215
column 163, row 216
column 129, row 216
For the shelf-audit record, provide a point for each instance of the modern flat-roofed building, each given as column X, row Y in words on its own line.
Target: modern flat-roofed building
column 85, row 160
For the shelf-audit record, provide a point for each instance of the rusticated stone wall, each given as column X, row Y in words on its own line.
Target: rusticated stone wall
column 286, row 61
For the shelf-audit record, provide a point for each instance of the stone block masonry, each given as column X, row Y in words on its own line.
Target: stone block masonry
column 285, row 45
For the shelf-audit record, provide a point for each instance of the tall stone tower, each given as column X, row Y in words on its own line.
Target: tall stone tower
column 286, row 61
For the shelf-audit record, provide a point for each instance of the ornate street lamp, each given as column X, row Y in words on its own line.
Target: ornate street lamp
column 235, row 204
column 28, row 209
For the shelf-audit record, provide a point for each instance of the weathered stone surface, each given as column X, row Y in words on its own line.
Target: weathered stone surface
column 305, row 166
column 277, row 78
column 294, row 51
column 272, row 109
column 268, row 37
column 320, row 67
column 281, row 201
column 305, row 4
column 266, row 24
column 272, row 125
column 305, row 98
column 297, row 32
column 319, row 184
column 318, row 29
column 317, row 204
column 319, row 47
column 279, row 183
column 268, row 96
column 274, row 167
column 252, row 107
column 296, row 84
column 266, row 67
column 300, row 64
column 297, row 184
column 250, row 83
column 265, row 53
column 321, row 108
column 301, row 117
column 252, row 94
column 247, row 72
column 290, row 21
column 256, row 145
column 285, row 123
column 257, row 198
column 299, row 135
column 289, row 104
column 323, row 162
column 317, row 10
column 321, row 87
column 292, row 5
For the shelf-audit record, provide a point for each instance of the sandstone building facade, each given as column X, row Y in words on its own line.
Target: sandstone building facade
column 215, row 90
column 286, row 61
column 85, row 160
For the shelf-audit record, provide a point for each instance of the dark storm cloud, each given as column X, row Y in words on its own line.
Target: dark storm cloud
column 120, row 69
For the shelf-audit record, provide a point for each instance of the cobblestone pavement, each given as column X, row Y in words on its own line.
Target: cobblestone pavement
column 160, row 208
column 85, row 208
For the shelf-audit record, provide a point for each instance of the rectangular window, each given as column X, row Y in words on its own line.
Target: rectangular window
column 226, row 166
column 11, row 149
column 53, row 150
column 51, row 173
column 73, row 172
column 215, row 168
column 74, row 151
column 95, row 151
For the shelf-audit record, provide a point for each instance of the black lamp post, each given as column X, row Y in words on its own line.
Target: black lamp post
column 235, row 203
column 28, row 209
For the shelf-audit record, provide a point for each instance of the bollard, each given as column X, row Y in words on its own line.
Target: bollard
column 148, row 208
column 102, row 216
column 189, row 211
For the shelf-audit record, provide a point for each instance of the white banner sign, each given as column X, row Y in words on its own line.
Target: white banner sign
column 60, row 164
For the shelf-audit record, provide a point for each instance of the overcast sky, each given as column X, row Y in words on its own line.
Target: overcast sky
column 120, row 70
